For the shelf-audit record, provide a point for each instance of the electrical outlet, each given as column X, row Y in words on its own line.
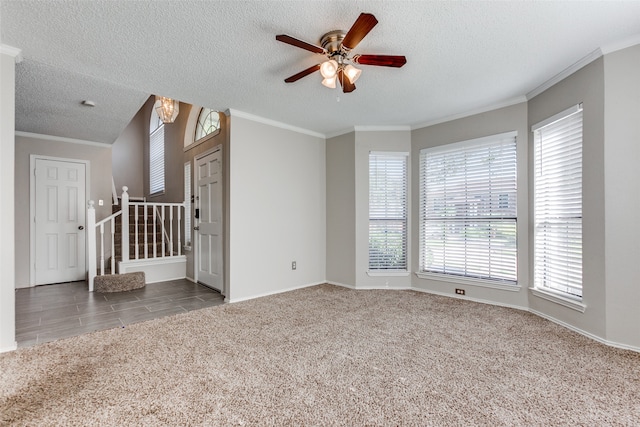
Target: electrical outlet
column 459, row 291
column 293, row 265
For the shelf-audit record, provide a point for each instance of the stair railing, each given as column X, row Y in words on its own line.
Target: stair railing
column 92, row 225
column 163, row 214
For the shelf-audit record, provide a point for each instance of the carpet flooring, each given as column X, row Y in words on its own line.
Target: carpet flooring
column 326, row 355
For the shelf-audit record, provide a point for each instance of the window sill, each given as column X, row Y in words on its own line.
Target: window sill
column 559, row 299
column 201, row 140
column 470, row 281
column 387, row 273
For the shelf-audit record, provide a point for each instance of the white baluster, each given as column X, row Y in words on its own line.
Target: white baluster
column 146, row 236
column 125, row 224
column 91, row 242
column 170, row 230
column 102, row 249
column 163, row 236
column 113, row 245
column 135, row 222
column 179, row 228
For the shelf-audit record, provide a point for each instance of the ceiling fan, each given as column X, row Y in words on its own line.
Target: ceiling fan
column 336, row 46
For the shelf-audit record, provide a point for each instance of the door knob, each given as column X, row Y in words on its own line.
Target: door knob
column 81, row 227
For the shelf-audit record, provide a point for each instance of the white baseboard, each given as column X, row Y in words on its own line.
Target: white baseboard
column 279, row 291
column 482, row 301
column 585, row 333
column 340, row 284
column 10, row 348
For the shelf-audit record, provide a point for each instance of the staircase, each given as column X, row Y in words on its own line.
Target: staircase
column 141, row 243
column 143, row 237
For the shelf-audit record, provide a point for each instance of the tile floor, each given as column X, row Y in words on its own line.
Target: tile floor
column 51, row 312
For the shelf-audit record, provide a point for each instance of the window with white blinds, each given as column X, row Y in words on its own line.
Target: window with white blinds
column 187, row 204
column 156, row 154
column 387, row 211
column 468, row 209
column 558, row 203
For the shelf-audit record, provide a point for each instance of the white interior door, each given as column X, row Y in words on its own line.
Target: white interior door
column 209, row 224
column 59, row 221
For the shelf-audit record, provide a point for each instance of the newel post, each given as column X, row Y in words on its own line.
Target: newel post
column 125, row 224
column 91, row 243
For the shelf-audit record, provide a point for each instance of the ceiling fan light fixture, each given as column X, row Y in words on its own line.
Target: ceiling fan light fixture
column 166, row 108
column 352, row 73
column 329, row 69
column 330, row 82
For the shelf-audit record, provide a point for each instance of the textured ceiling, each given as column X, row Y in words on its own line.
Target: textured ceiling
column 461, row 56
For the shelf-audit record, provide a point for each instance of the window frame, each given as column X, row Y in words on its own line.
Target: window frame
column 428, row 216
column 188, row 220
column 156, row 172
column 210, row 134
column 404, row 217
column 539, row 287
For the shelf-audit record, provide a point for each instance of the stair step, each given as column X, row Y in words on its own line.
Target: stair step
column 119, row 282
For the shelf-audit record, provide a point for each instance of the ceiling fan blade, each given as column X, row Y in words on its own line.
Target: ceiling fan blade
column 381, row 60
column 302, row 73
column 359, row 30
column 299, row 43
column 346, row 84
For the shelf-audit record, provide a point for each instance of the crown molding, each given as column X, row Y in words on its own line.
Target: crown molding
column 340, row 132
column 622, row 44
column 565, row 73
column 381, row 128
column 11, row 51
column 399, row 128
column 274, row 123
column 503, row 104
column 62, row 139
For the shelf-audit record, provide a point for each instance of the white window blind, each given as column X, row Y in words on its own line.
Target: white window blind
column 387, row 211
column 156, row 155
column 187, row 204
column 468, row 209
column 558, row 203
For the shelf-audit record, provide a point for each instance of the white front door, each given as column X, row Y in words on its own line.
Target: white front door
column 59, row 221
column 209, row 223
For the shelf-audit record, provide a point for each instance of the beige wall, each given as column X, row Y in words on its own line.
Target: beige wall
column 99, row 158
column 127, row 154
column 512, row 118
column 622, row 195
column 586, row 86
column 7, row 190
column 277, row 209
column 341, row 209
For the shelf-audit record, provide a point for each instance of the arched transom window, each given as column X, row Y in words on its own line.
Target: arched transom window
column 208, row 123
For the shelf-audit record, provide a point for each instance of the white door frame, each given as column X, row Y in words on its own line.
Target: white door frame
column 194, row 245
column 32, row 206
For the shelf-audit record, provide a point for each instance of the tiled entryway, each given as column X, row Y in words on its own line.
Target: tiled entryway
column 51, row 312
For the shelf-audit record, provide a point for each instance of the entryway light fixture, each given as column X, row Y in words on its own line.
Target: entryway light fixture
column 166, row 108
